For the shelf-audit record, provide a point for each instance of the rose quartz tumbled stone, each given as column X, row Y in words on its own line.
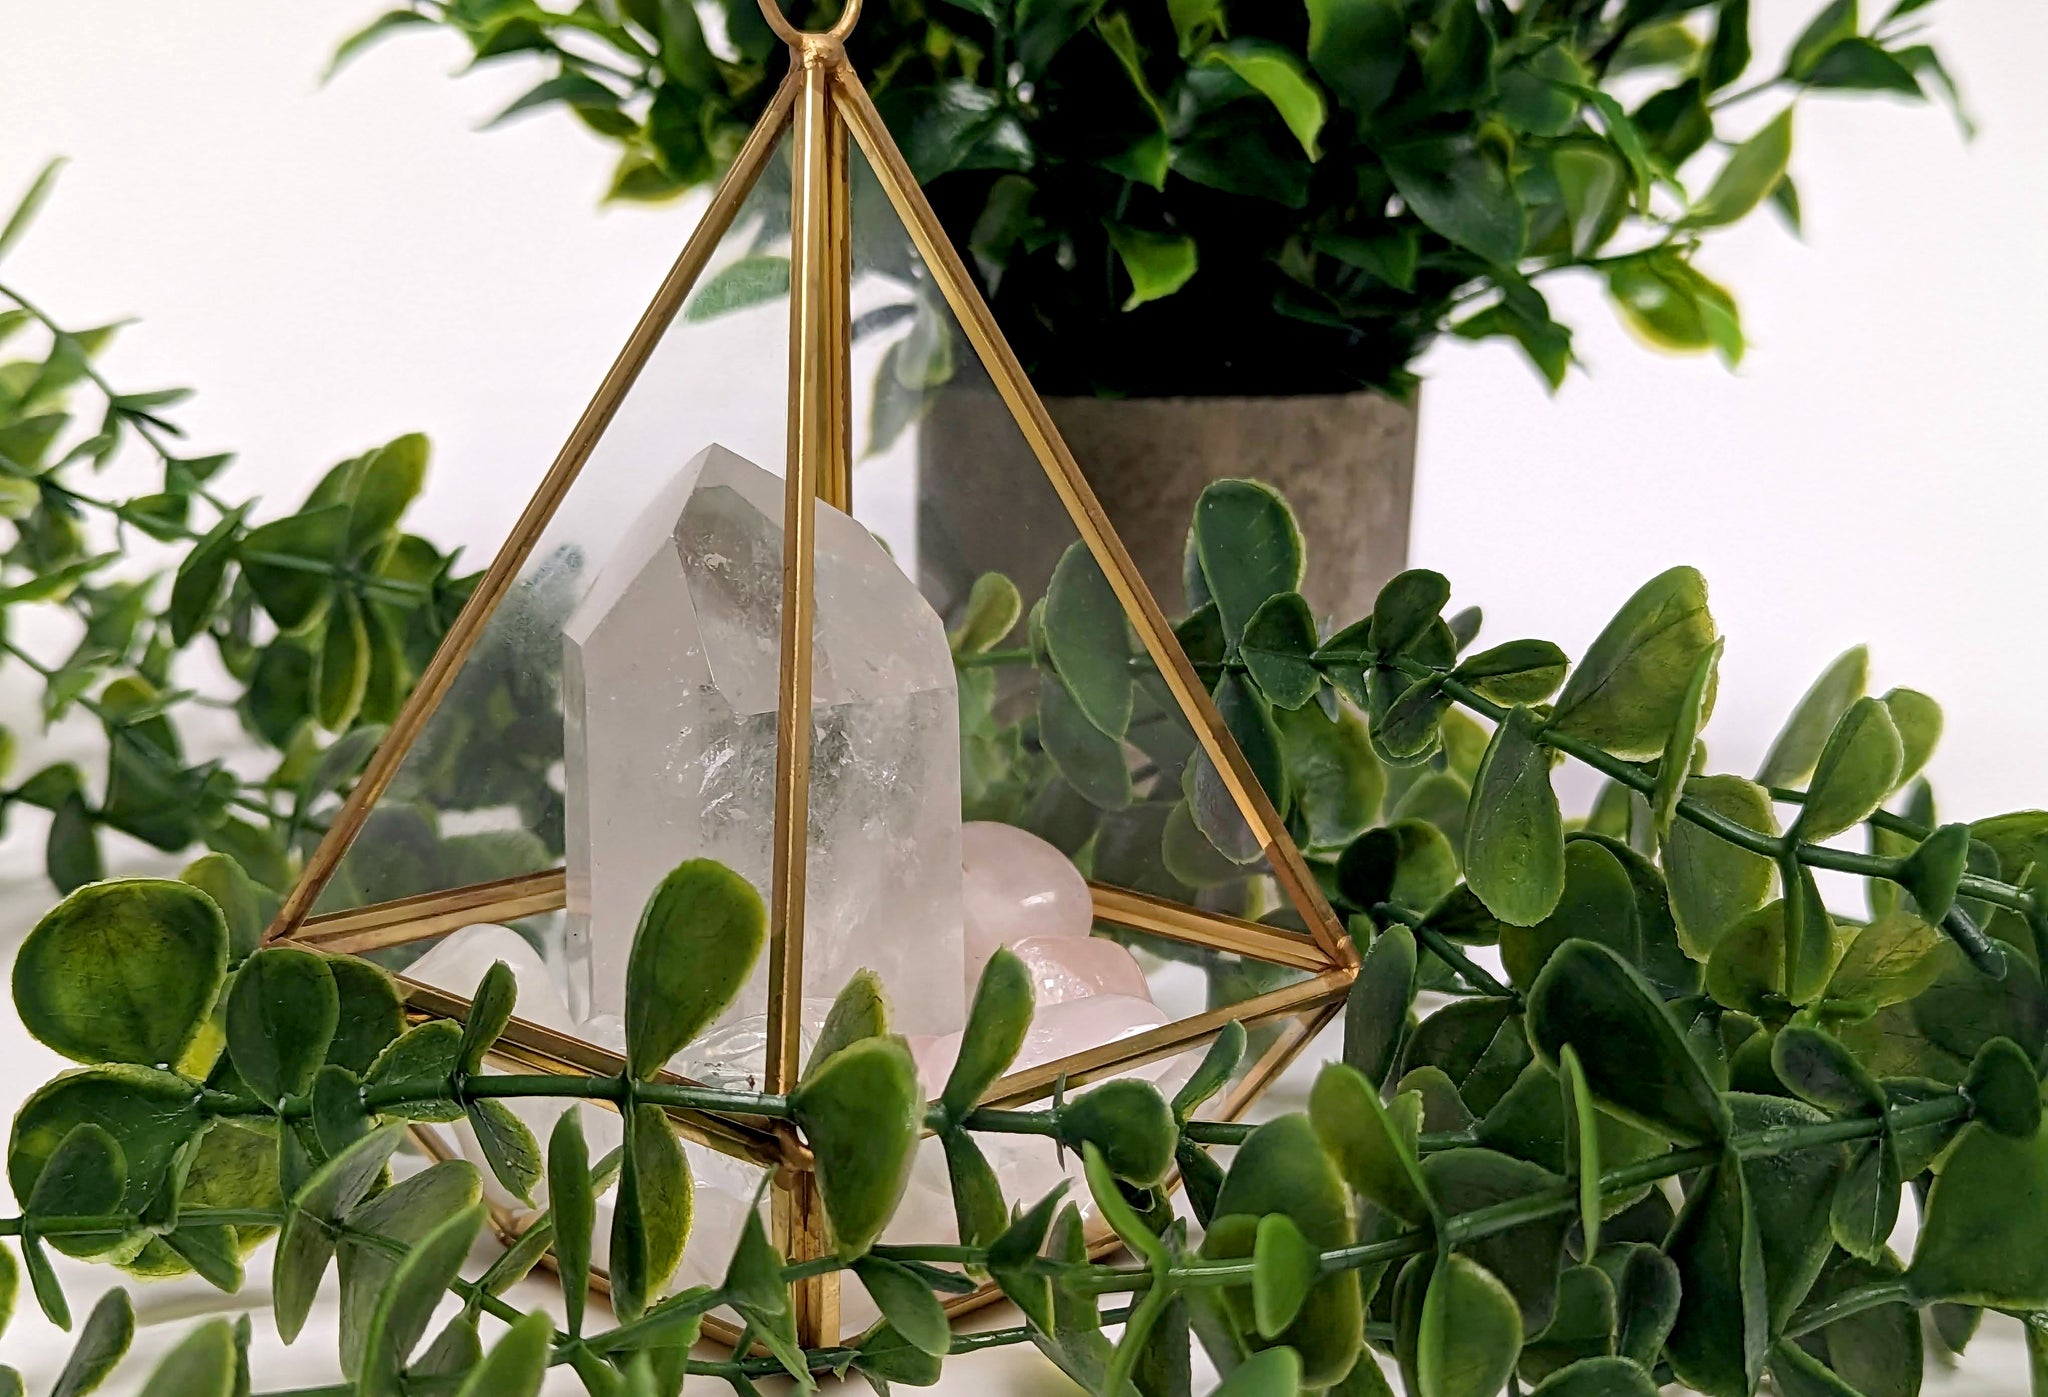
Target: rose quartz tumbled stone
column 1065, row 968
column 1015, row 886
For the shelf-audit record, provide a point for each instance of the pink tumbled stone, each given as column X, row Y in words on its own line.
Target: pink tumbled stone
column 1065, row 968
column 1015, row 886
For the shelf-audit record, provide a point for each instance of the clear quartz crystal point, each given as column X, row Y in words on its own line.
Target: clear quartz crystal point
column 670, row 689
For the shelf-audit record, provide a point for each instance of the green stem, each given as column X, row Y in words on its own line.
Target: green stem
column 1476, row 975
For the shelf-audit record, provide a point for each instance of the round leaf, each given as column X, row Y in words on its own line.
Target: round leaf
column 862, row 1114
column 1858, row 768
column 123, row 972
column 1626, row 694
column 281, row 1015
column 1130, row 1122
column 1471, row 1332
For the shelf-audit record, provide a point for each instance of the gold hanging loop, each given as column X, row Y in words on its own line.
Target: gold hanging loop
column 804, row 40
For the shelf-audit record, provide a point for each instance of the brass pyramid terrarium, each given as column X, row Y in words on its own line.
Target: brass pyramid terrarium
column 645, row 646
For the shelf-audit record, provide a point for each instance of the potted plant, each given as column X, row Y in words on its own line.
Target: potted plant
column 1220, row 234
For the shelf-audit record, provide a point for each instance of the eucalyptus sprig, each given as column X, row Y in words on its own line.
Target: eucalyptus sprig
column 1667, row 1140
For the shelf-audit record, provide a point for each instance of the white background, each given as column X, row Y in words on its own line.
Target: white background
column 334, row 266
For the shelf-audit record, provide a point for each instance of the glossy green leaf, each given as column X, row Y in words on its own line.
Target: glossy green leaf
column 281, row 1015
column 1626, row 694
column 1796, row 749
column 122, row 972
column 697, row 942
column 1276, row 74
column 1752, row 171
column 1636, row 1063
column 862, row 1114
column 1458, row 190
column 1514, row 835
column 1157, row 264
column 1471, row 1332
column 1357, row 48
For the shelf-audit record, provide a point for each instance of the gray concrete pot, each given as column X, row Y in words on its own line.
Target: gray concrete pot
column 1346, row 463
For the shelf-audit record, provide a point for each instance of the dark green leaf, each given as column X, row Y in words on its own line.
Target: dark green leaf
column 1598, row 905
column 1715, row 883
column 1598, row 1377
column 907, row 1304
column 2004, row 1090
column 508, row 1146
column 1370, row 1142
column 652, row 1212
column 102, row 1343
column 1986, row 1206
column 1248, row 546
column 1458, row 190
column 516, row 1363
column 1723, row 1329
column 1087, row 640
column 281, row 1016
column 1514, row 835
column 1129, row 1122
column 1676, row 763
column 122, row 972
column 1752, row 172
column 307, row 1242
column 289, row 563
column 1376, row 1010
column 1357, row 47
column 409, row 1299
column 1278, row 644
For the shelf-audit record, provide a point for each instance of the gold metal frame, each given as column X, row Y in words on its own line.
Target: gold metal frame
column 826, row 111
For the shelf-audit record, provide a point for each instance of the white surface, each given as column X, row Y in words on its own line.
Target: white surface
column 334, row 267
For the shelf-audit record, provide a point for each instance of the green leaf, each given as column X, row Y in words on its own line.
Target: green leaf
column 1278, row 647
column 1158, row 264
column 1514, row 834
column 1274, row 1372
column 307, row 1243
column 1248, row 548
column 1714, row 883
column 2004, row 1091
column 122, row 972
column 387, row 23
column 402, row 1216
column 1890, row 961
column 1370, row 1144
column 1091, row 760
column 1918, row 719
column 1336, row 781
column 652, row 1213
column 102, row 1343
column 508, row 1146
column 862, row 1115
column 1836, row 22
column 1129, row 1122
column 1626, row 694
column 1376, row 1010
column 1722, row 1334
column 1987, row 1204
column 202, row 1365
column 386, row 485
column 1357, row 47
column 749, row 281
column 195, row 592
column 1086, row 638
column 409, row 1299
column 430, row 1051
column 290, row 562
column 907, row 1303
column 1598, row 1377
column 1404, row 609
column 1519, row 672
column 1471, row 1332
column 86, row 1176
column 1598, row 904
column 1277, row 75
column 1753, row 170
column 860, row 1010
column 1284, row 1268
column 978, row 1208
column 1280, row 1168
column 1810, row 950
column 1582, row 1135
column 697, row 942
column 1676, row 762
column 281, row 1015
column 10, row 1287
column 517, row 1363
column 341, row 670
column 997, row 1021
column 1457, row 189
column 30, row 204
column 992, row 611
column 1857, row 769
column 1933, row 871
column 1820, row 1070
column 1636, row 1063
column 1796, row 749
column 1797, row 1373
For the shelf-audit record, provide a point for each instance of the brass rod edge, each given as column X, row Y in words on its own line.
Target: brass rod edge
column 978, row 322
column 394, row 923
column 469, row 624
column 1195, row 927
column 1114, row 1058
column 808, row 454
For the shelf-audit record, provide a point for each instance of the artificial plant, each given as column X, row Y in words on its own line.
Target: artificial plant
column 144, row 611
column 1228, row 197
column 1666, row 1140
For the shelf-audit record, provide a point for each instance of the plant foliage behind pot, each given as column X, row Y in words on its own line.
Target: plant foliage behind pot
column 1211, row 197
